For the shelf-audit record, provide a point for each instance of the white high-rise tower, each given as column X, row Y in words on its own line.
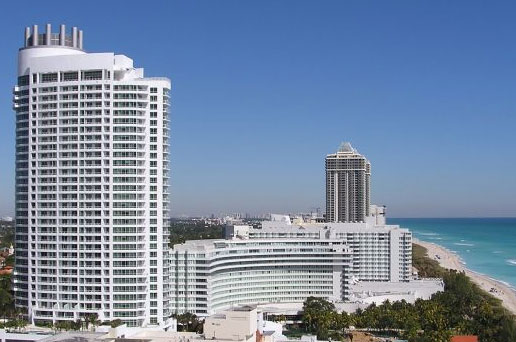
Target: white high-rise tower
column 92, row 163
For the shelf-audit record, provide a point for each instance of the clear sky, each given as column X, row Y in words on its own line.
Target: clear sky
column 263, row 90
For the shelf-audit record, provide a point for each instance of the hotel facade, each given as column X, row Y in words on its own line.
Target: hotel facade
column 286, row 263
column 92, row 163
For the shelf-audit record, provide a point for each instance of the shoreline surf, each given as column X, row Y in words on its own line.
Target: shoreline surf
column 451, row 260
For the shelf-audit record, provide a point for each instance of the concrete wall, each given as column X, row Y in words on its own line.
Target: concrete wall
column 233, row 325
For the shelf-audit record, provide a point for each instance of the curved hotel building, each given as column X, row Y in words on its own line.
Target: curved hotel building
column 213, row 275
column 286, row 263
column 92, row 164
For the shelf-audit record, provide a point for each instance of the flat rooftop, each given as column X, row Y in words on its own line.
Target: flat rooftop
column 74, row 336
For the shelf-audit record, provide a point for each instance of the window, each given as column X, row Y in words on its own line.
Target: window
column 49, row 77
column 92, row 75
column 23, row 80
column 70, row 76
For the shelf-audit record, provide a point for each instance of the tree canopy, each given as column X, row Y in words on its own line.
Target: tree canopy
column 181, row 231
column 463, row 308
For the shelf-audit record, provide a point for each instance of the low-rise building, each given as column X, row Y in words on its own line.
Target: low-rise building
column 369, row 292
column 239, row 324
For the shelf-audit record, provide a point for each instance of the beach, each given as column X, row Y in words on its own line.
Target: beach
column 450, row 260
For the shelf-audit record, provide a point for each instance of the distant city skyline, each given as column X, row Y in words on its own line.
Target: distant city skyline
column 262, row 92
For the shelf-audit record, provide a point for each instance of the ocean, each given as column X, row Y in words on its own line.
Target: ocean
column 486, row 245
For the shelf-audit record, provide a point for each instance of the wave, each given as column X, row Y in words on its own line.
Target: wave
column 497, row 252
column 434, row 238
column 511, row 262
column 464, row 244
column 509, row 285
column 429, row 234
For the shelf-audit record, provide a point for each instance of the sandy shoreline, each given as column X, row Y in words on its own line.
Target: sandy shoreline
column 450, row 260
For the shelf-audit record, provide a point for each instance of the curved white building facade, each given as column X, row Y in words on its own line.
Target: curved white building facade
column 284, row 263
column 91, row 184
column 213, row 275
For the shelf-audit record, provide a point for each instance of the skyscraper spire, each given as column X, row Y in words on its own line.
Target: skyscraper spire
column 345, row 147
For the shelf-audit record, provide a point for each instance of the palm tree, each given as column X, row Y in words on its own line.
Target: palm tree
column 91, row 319
column 77, row 324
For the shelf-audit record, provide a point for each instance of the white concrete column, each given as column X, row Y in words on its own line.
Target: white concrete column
column 74, row 37
column 48, row 34
column 27, row 36
column 35, row 35
column 62, row 35
column 80, row 39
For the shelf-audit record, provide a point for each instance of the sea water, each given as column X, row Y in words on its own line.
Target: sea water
column 486, row 245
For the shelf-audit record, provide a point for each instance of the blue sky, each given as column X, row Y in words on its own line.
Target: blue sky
column 263, row 90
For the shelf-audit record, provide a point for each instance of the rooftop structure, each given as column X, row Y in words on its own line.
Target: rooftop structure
column 35, row 39
column 237, row 324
